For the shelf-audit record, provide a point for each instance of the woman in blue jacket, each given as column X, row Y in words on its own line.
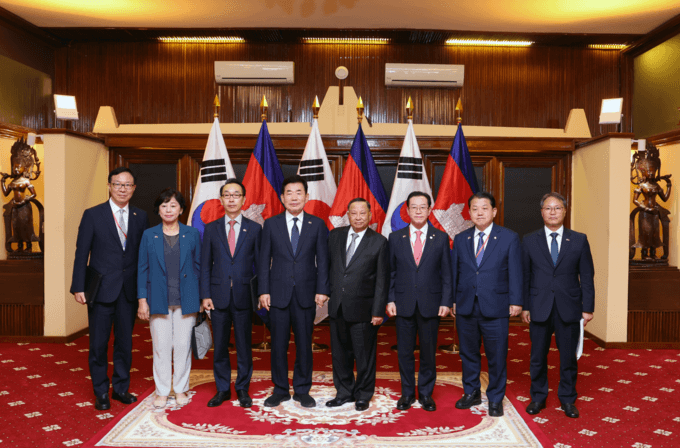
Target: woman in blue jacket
column 167, row 288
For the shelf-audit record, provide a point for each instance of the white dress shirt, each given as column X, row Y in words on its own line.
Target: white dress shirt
column 487, row 232
column 237, row 226
column 560, row 232
column 412, row 234
column 289, row 223
column 116, row 214
column 349, row 238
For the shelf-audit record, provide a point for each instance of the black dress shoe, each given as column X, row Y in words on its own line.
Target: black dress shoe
column 102, row 403
column 570, row 410
column 361, row 405
column 405, row 402
column 219, row 398
column 495, row 409
column 335, row 402
column 427, row 403
column 276, row 399
column 125, row 397
column 244, row 399
column 305, row 400
column 469, row 400
column 535, row 407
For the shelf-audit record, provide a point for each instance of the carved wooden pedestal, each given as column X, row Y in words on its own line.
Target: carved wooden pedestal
column 653, row 304
column 22, row 297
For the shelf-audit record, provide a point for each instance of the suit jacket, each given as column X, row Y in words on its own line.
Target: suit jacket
column 496, row 282
column 361, row 287
column 279, row 269
column 427, row 284
column 152, row 277
column 98, row 240
column 568, row 284
column 219, row 269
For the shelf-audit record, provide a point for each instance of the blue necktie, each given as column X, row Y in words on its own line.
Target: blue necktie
column 554, row 250
column 480, row 248
column 294, row 236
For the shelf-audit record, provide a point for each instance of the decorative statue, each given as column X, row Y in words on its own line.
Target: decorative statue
column 645, row 169
column 18, row 212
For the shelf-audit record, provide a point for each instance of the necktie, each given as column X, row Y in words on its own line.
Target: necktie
column 231, row 238
column 554, row 250
column 418, row 247
column 352, row 248
column 480, row 248
column 122, row 227
column 294, row 236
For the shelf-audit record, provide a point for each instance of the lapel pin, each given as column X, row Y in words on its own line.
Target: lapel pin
column 567, row 239
column 309, row 222
column 155, row 236
column 183, row 236
column 244, row 230
column 134, row 213
column 403, row 236
column 469, row 237
column 494, row 237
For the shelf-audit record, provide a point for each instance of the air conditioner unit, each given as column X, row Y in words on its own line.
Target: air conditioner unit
column 424, row 75
column 254, row 72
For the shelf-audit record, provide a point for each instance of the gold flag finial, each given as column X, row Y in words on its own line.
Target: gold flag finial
column 263, row 107
column 459, row 109
column 216, row 103
column 409, row 108
column 316, row 107
column 360, row 110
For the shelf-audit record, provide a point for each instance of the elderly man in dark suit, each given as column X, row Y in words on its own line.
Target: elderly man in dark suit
column 359, row 279
column 292, row 277
column 109, row 235
column 487, row 285
column 230, row 248
column 420, row 294
column 559, row 291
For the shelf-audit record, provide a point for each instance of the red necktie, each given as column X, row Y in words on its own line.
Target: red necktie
column 231, row 238
column 418, row 247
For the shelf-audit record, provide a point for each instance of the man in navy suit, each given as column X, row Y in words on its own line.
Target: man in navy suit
column 292, row 277
column 228, row 259
column 558, row 291
column 487, row 284
column 109, row 235
column 420, row 294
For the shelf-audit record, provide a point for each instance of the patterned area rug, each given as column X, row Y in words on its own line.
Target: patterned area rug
column 291, row 425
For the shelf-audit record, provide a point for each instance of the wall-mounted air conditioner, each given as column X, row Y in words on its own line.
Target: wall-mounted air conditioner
column 254, row 72
column 424, row 75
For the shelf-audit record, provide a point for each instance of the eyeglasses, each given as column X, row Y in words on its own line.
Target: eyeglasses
column 234, row 195
column 422, row 208
column 119, row 186
column 553, row 209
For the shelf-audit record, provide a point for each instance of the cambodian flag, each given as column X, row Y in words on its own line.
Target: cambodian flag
column 451, row 212
column 263, row 180
column 360, row 179
column 215, row 169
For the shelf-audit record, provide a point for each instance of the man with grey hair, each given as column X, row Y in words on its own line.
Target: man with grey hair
column 558, row 293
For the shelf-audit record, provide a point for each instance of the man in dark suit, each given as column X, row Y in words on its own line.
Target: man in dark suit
column 228, row 259
column 420, row 293
column 292, row 277
column 359, row 279
column 487, row 285
column 109, row 235
column 558, row 291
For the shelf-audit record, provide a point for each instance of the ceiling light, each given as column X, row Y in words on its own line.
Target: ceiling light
column 489, row 43
column 202, row 40
column 607, row 46
column 345, row 40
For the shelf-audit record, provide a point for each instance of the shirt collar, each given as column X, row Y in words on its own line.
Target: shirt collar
column 559, row 231
column 487, row 231
column 115, row 208
column 361, row 234
column 290, row 217
column 237, row 219
column 413, row 230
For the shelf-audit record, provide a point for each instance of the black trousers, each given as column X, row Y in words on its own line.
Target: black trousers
column 222, row 320
column 350, row 342
column 301, row 320
column 426, row 329
column 566, row 337
column 119, row 314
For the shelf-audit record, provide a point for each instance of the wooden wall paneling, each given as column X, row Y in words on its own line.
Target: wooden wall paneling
column 21, row 320
column 653, row 326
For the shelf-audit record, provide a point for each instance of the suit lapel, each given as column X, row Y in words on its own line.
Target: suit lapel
column 304, row 230
column 283, row 230
column 343, row 245
column 542, row 243
column 406, row 238
column 429, row 241
column 242, row 235
column 491, row 244
column 365, row 241
column 111, row 222
column 470, row 240
column 222, row 232
column 158, row 245
column 564, row 247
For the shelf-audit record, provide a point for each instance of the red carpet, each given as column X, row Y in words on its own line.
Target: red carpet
column 627, row 397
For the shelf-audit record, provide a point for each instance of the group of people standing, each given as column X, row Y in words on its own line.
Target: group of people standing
column 167, row 275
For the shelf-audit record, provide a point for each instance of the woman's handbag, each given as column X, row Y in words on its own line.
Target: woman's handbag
column 201, row 337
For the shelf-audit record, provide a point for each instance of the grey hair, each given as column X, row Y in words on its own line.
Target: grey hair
column 555, row 195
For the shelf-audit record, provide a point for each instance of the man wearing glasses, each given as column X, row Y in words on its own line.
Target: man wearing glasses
column 228, row 259
column 109, row 236
column 559, row 291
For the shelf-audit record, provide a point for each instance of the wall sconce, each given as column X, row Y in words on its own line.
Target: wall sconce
column 65, row 107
